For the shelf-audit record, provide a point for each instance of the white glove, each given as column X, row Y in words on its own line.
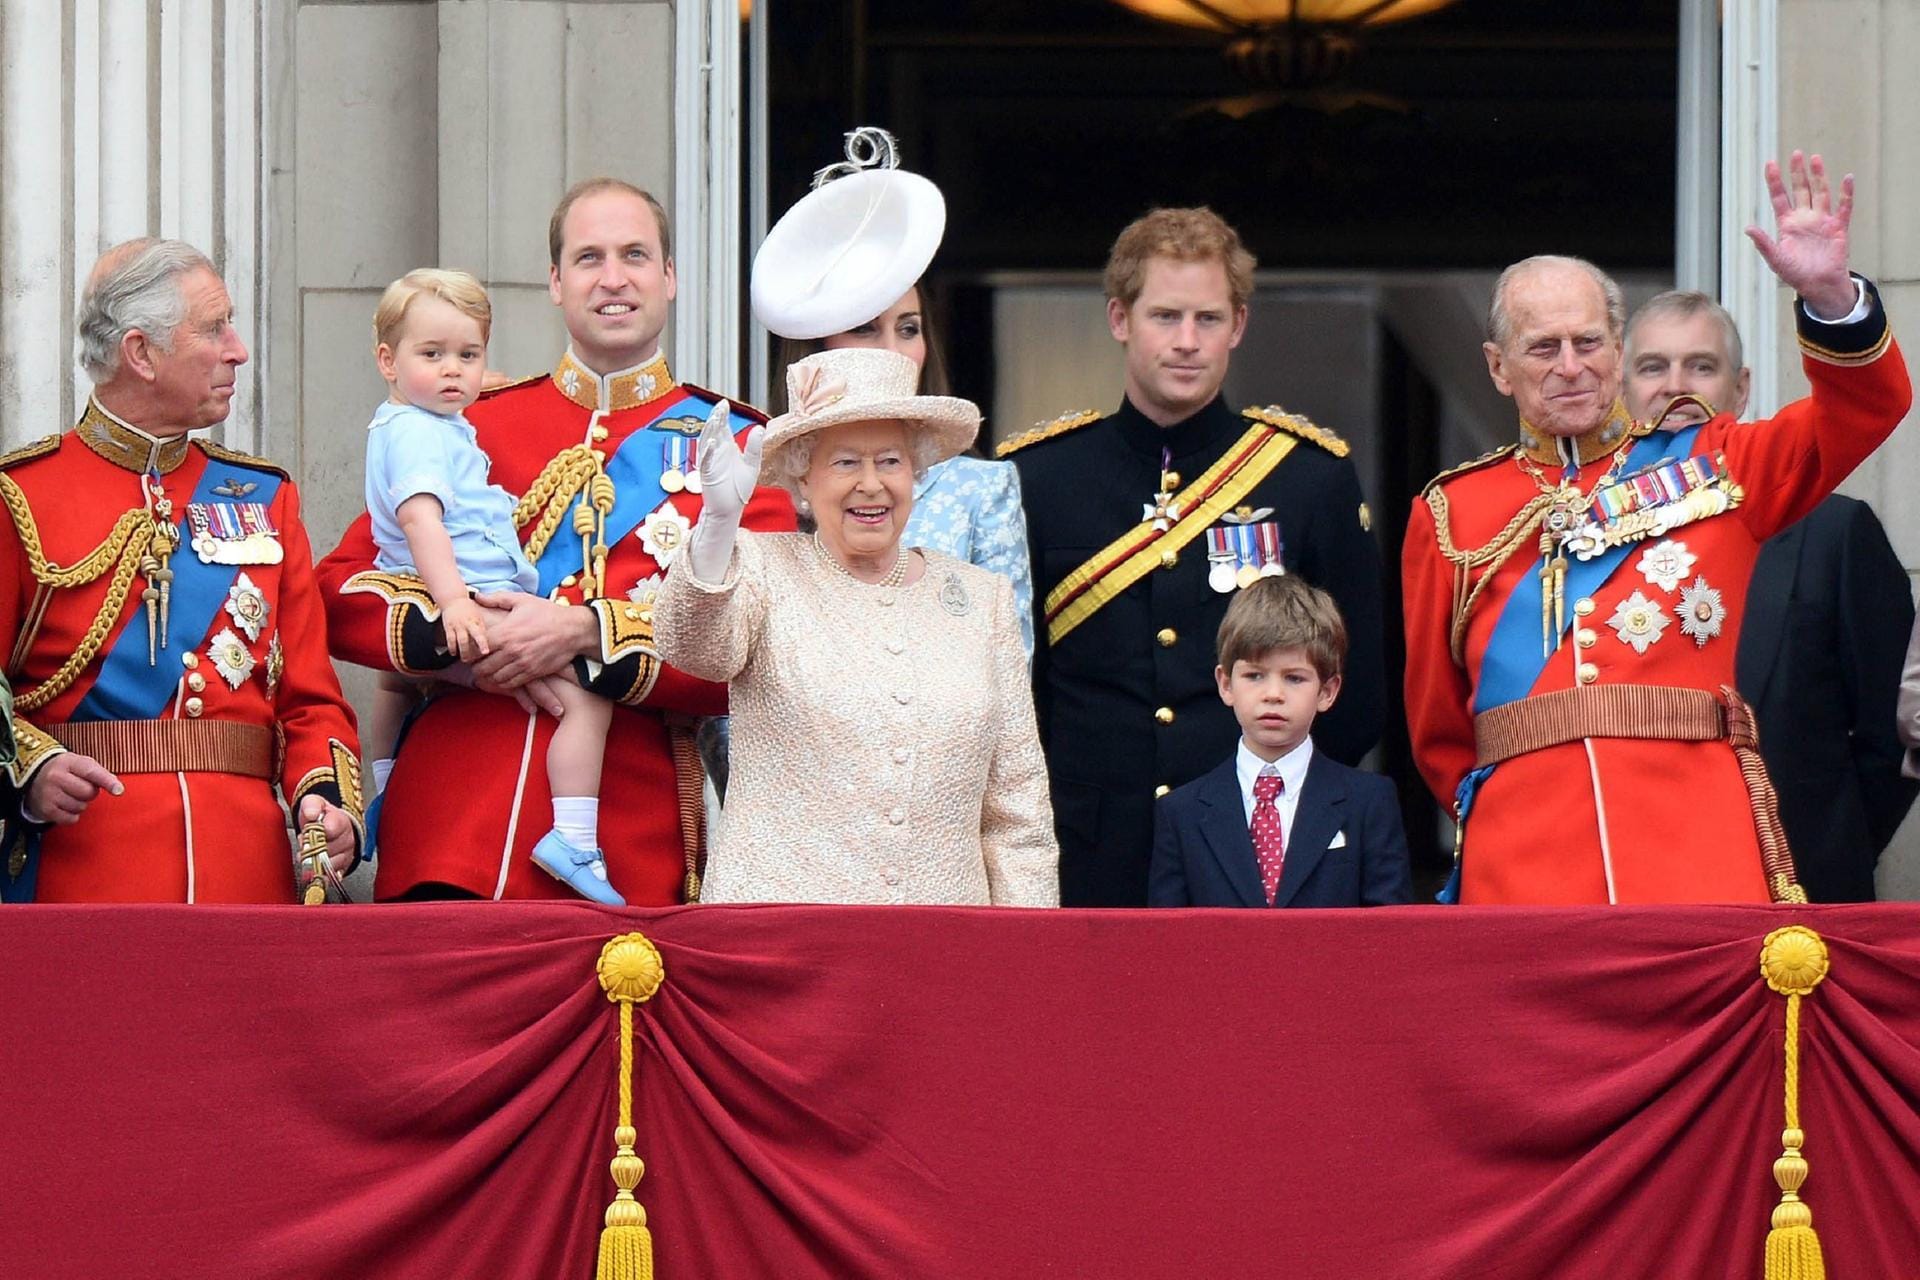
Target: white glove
column 728, row 475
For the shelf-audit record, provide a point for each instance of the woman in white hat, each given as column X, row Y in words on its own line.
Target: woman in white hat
column 884, row 747
column 843, row 268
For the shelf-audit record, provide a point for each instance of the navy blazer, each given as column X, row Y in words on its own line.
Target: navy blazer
column 1203, row 852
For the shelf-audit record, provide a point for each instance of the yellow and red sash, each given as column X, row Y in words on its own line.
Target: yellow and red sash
column 1141, row 549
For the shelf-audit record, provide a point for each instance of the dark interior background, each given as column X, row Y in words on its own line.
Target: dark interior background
column 1460, row 140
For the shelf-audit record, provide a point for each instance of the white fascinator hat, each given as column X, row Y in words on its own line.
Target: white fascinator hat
column 850, row 247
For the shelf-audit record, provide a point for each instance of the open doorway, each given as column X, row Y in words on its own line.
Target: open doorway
column 1382, row 180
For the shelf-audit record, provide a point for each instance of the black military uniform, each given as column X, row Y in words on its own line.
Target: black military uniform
column 1126, row 612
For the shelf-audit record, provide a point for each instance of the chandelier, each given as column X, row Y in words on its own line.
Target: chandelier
column 1285, row 43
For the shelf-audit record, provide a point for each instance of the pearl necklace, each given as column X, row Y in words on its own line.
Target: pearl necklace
column 895, row 576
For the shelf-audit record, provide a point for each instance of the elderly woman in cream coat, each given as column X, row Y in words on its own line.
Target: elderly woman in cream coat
column 884, row 747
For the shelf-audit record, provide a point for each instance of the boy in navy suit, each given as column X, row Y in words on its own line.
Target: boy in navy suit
column 1278, row 824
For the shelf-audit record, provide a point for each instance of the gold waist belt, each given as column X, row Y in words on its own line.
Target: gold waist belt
column 171, row 746
column 1616, row 711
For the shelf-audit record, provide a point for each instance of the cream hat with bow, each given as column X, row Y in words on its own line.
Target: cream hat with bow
column 866, row 384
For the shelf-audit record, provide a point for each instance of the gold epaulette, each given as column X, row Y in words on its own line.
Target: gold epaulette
column 516, row 383
column 28, row 452
column 239, row 459
column 1072, row 420
column 1292, row 423
column 1471, row 464
column 740, row 407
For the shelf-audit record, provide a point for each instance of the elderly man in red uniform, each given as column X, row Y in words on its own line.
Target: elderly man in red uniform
column 166, row 635
column 604, row 451
column 1574, row 600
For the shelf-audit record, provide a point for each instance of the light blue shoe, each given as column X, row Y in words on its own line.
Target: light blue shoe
column 582, row 870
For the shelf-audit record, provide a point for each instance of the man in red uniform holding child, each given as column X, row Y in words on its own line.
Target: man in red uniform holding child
column 600, row 450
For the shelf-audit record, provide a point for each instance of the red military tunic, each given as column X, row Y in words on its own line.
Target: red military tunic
column 242, row 683
column 1624, row 819
column 468, row 797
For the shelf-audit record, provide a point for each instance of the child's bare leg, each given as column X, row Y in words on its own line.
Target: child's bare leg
column 574, row 758
column 571, row 851
column 579, row 745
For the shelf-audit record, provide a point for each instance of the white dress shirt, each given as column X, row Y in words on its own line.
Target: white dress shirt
column 1292, row 768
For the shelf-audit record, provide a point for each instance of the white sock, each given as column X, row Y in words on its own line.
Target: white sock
column 577, row 819
column 381, row 770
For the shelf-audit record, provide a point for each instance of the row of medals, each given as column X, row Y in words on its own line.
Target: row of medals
column 680, row 466
column 1230, row 568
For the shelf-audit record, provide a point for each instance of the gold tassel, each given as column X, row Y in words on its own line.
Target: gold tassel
column 630, row 971
column 1794, row 961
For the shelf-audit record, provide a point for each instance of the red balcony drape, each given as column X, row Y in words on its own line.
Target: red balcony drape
column 866, row 1092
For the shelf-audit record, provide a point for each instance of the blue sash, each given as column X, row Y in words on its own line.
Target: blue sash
column 634, row 469
column 1514, row 658
column 128, row 687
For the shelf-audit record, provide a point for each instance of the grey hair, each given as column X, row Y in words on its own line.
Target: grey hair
column 1500, row 324
column 1680, row 304
column 795, row 457
column 135, row 286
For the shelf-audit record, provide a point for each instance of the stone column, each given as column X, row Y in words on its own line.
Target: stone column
column 1845, row 86
column 120, row 118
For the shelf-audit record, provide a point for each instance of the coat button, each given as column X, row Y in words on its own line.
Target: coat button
column 1583, row 606
column 195, row 681
column 195, row 707
column 1161, row 790
column 901, row 755
column 886, row 597
column 189, row 660
column 1586, row 637
column 1170, row 478
column 896, row 647
column 903, row 696
column 1587, row 673
column 890, row 875
column 1167, row 637
column 897, row 816
column 571, row 579
column 597, row 434
column 1169, row 558
column 1164, row 715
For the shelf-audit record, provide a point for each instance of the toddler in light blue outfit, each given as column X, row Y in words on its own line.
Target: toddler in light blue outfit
column 435, row 515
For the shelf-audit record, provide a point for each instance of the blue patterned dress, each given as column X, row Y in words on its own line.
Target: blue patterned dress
column 970, row 509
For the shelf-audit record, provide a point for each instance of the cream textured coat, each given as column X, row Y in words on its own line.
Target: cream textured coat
column 884, row 747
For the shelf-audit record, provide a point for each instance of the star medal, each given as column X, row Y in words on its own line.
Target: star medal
column 664, row 533
column 646, row 590
column 1701, row 611
column 1665, row 563
column 276, row 663
column 230, row 658
column 1638, row 621
column 247, row 606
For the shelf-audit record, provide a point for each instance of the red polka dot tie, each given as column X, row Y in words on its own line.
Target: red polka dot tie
column 1269, row 840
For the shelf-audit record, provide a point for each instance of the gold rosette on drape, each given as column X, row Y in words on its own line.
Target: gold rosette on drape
column 630, row 971
column 1793, row 961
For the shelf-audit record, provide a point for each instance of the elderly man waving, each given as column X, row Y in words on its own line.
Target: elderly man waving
column 1574, row 599
column 166, row 639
